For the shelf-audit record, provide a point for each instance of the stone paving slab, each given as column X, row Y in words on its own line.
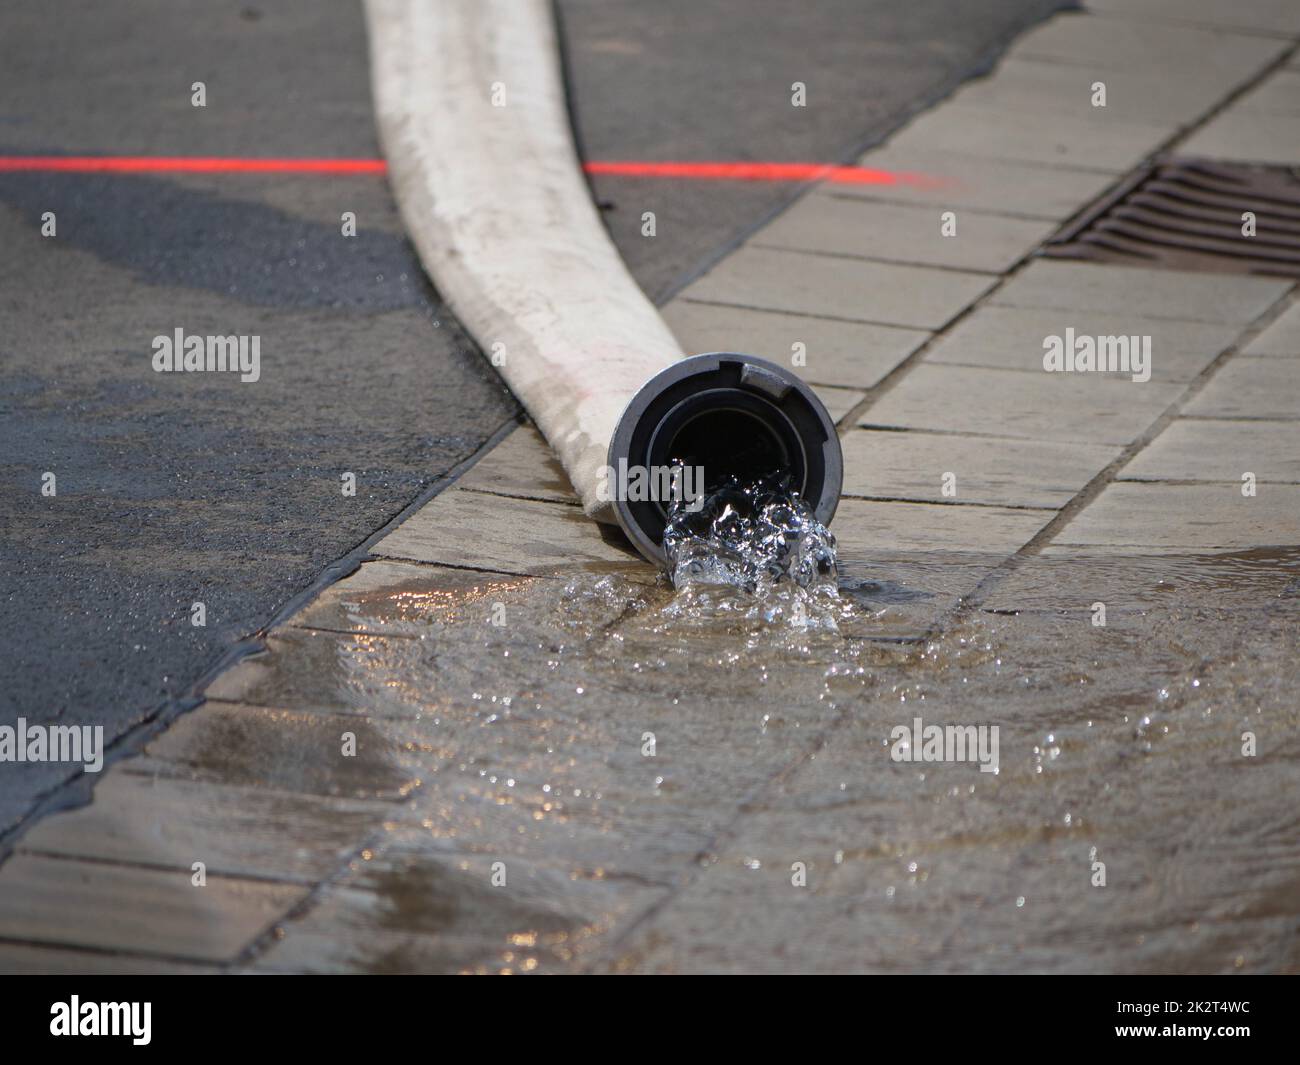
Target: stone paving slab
column 1139, row 95
column 864, row 229
column 1065, row 581
column 360, row 675
column 864, row 528
column 912, row 465
column 1250, row 136
column 847, row 354
column 883, row 293
column 838, row 401
column 570, row 777
column 1028, row 190
column 19, row 960
column 1011, row 338
column 896, row 578
column 1055, row 407
column 1281, row 338
column 1205, row 450
column 143, row 911
column 323, row 673
column 862, row 865
column 1180, row 52
column 234, row 831
column 1126, row 290
column 1163, row 517
column 522, row 465
column 868, row 891
column 1279, row 93
column 560, row 780
column 514, row 536
column 404, row 912
column 901, row 596
column 687, row 939
column 896, row 624
column 660, row 814
column 1280, row 16
column 254, row 680
column 1106, row 144
column 394, row 598
column 298, row 752
column 1250, row 388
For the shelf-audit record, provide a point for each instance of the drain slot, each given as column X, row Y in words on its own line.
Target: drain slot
column 1187, row 214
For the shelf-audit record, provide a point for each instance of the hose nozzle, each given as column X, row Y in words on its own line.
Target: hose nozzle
column 727, row 415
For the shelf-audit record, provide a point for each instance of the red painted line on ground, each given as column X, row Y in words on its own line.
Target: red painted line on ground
column 835, row 175
column 140, row 164
column 137, row 164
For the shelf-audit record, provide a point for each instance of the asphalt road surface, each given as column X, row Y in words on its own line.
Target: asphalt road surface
column 183, row 488
column 172, row 489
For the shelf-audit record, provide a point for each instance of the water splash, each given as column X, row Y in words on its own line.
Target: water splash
column 754, row 549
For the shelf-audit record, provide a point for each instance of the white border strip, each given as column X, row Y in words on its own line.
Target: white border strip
column 472, row 118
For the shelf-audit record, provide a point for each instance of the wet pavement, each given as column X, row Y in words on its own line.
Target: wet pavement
column 652, row 774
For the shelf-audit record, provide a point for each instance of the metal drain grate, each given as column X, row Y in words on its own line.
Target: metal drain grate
column 1186, row 214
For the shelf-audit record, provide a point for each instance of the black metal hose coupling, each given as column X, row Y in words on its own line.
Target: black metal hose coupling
column 727, row 415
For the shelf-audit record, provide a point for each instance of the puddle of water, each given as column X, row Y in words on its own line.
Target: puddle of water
column 699, row 739
column 1242, row 580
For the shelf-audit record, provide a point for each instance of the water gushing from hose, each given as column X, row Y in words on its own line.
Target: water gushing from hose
column 750, row 536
